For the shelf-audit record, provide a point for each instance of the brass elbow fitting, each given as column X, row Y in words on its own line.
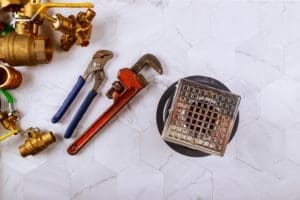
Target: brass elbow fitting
column 36, row 142
column 16, row 49
column 9, row 77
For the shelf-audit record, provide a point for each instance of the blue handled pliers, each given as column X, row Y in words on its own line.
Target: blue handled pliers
column 95, row 68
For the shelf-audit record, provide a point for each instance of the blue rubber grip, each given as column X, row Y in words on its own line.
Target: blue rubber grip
column 68, row 101
column 83, row 108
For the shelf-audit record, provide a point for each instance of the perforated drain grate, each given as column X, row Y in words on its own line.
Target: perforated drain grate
column 201, row 117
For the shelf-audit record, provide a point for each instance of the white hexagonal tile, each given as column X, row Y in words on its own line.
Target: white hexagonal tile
column 278, row 21
column 95, row 180
column 145, row 183
column 59, row 157
column 282, row 182
column 11, row 182
column 159, row 3
column 187, row 180
column 261, row 144
column 257, row 57
column 154, row 150
column 234, row 22
column 117, row 146
column 191, row 19
column 235, row 180
column 171, row 50
column 12, row 158
column 202, row 59
column 115, row 4
column 47, row 182
column 292, row 59
column 138, row 23
column 105, row 30
column 279, row 100
column 249, row 108
column 291, row 138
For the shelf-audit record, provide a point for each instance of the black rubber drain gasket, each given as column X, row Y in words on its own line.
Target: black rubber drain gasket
column 164, row 106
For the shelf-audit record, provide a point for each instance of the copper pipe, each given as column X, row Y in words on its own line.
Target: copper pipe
column 9, row 77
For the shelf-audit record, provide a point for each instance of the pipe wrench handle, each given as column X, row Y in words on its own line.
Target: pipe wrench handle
column 102, row 121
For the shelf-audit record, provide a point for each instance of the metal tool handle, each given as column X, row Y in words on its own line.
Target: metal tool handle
column 83, row 108
column 102, row 121
column 68, row 101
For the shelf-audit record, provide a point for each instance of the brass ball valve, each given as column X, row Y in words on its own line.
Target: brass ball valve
column 36, row 142
column 26, row 46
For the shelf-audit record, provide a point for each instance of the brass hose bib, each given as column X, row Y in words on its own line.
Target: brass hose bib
column 9, row 77
column 36, row 142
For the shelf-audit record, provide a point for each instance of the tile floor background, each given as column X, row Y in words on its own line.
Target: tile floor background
column 252, row 46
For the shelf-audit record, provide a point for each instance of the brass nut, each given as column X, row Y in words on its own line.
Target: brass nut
column 9, row 77
column 36, row 142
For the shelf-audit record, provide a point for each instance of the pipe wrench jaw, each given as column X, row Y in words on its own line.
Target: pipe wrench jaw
column 147, row 60
column 132, row 78
column 128, row 80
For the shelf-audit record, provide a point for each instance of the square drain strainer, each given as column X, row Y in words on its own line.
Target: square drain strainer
column 201, row 117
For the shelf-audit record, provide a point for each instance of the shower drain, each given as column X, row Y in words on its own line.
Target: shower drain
column 201, row 117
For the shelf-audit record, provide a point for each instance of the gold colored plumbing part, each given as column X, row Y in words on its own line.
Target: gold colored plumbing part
column 36, row 142
column 21, row 49
column 75, row 29
column 8, row 121
column 9, row 77
column 26, row 46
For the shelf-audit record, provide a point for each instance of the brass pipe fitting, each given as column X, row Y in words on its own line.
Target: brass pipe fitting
column 9, row 77
column 8, row 121
column 18, row 49
column 36, row 142
column 76, row 30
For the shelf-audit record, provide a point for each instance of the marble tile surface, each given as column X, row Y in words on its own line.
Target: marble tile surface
column 251, row 46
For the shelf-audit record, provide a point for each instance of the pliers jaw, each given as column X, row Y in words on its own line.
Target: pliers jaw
column 98, row 62
column 96, row 67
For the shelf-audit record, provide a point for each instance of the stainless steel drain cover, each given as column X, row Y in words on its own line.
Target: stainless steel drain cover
column 201, row 117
